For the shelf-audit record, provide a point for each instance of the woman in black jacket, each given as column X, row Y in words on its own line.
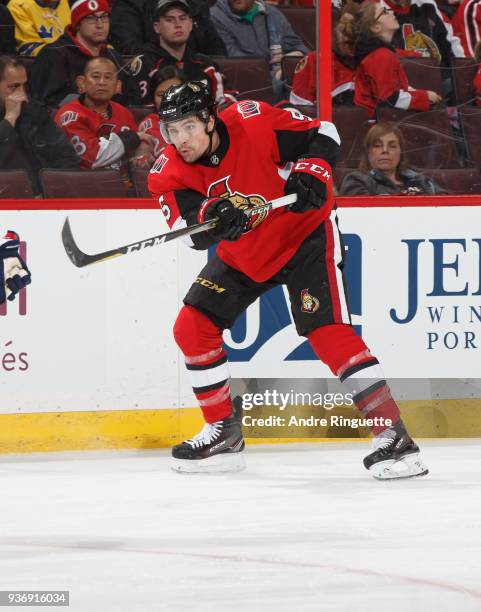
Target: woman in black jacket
column 383, row 168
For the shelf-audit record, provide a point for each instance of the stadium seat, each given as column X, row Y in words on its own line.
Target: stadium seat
column 463, row 71
column 423, row 73
column 457, row 181
column 139, row 177
column 471, row 124
column 303, row 22
column 339, row 174
column 140, row 112
column 430, row 143
column 15, row 184
column 352, row 124
column 249, row 76
column 82, row 184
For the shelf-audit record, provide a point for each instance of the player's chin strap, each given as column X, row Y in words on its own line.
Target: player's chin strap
column 210, row 134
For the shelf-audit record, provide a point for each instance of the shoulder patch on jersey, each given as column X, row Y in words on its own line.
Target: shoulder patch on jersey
column 248, row 108
column 68, row 117
column 145, row 125
column 159, row 164
column 135, row 65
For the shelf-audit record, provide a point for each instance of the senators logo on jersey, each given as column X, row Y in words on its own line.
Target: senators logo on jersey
column 221, row 189
column 309, row 303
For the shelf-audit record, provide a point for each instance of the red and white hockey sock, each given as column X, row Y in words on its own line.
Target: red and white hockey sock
column 201, row 342
column 349, row 358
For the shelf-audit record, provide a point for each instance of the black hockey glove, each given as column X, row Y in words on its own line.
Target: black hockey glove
column 232, row 221
column 308, row 180
column 14, row 274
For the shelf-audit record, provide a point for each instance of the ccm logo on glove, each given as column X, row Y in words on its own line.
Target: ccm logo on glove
column 310, row 166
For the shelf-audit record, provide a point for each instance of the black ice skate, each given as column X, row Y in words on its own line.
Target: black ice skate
column 217, row 448
column 396, row 455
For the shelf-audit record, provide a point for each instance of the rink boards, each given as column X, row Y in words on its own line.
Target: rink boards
column 89, row 360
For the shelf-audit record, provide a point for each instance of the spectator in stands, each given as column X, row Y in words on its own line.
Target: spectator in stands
column 379, row 76
column 131, row 28
column 424, row 29
column 383, row 168
column 467, row 25
column 304, row 80
column 38, row 23
column 250, row 28
column 103, row 133
column 54, row 72
column 29, row 138
column 7, row 31
column 173, row 24
column 161, row 81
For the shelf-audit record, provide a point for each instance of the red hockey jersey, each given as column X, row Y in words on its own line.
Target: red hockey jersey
column 94, row 136
column 380, row 77
column 150, row 125
column 304, row 79
column 249, row 168
column 467, row 25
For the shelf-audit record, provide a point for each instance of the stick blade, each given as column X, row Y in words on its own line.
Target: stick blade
column 76, row 256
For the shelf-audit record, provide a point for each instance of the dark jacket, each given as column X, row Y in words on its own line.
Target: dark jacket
column 245, row 39
column 131, row 28
column 35, row 142
column 53, row 73
column 195, row 66
column 7, row 31
column 374, row 182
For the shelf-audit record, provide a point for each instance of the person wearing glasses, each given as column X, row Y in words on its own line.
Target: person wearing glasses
column 54, row 72
column 379, row 76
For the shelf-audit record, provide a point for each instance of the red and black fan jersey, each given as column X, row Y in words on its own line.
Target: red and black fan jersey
column 91, row 133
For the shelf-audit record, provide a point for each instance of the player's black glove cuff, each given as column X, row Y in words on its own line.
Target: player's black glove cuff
column 232, row 221
column 308, row 179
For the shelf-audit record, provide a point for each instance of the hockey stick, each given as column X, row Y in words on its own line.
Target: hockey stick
column 81, row 259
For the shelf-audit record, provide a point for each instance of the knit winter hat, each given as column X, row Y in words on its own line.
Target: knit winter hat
column 83, row 8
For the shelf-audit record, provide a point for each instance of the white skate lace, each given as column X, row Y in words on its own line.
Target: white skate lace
column 383, row 440
column 208, row 434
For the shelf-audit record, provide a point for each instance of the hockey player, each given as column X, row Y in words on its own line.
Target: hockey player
column 14, row 274
column 217, row 167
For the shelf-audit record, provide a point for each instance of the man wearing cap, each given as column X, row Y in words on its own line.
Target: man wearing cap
column 54, row 72
column 131, row 27
column 172, row 22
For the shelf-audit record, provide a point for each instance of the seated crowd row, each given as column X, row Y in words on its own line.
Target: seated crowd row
column 368, row 38
column 89, row 83
column 94, row 132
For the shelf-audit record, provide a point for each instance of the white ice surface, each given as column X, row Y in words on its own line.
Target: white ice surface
column 303, row 528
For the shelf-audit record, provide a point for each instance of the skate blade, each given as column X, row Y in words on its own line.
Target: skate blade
column 222, row 463
column 407, row 467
